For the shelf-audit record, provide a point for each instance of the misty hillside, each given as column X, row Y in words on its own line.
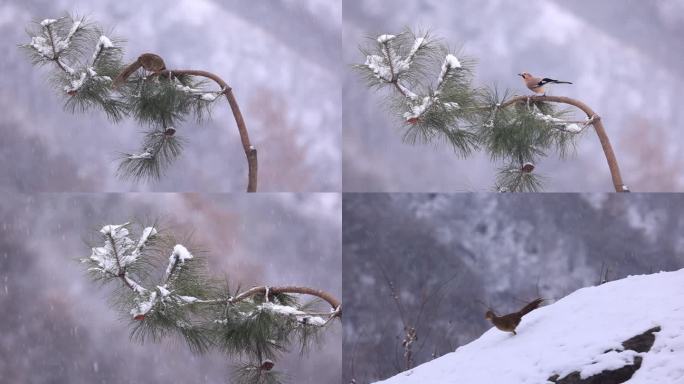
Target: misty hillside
column 450, row 256
column 630, row 330
column 613, row 51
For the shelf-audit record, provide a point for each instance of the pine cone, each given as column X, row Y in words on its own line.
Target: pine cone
column 267, row 365
column 527, row 168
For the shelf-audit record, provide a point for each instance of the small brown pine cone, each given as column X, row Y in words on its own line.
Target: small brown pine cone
column 267, row 365
column 527, row 168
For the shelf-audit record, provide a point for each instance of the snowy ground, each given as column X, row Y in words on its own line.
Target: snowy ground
column 572, row 335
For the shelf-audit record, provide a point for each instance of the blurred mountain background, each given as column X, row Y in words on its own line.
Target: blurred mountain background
column 57, row 327
column 282, row 59
column 449, row 257
column 622, row 55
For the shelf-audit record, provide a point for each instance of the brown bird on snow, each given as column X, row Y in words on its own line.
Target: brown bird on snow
column 536, row 84
column 508, row 323
column 148, row 61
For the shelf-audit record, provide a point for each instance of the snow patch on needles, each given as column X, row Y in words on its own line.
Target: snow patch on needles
column 137, row 288
column 558, row 123
column 143, row 307
column 417, row 110
column 450, row 62
column 104, row 42
column 574, row 128
column 75, row 84
column 47, row 22
column 181, row 253
column 382, row 39
column 390, row 65
column 64, row 44
column 119, row 251
column 178, row 256
column 188, row 299
column 208, row 96
column 582, row 332
column 42, row 46
column 163, row 291
column 286, row 310
column 379, row 67
column 144, row 155
column 417, row 44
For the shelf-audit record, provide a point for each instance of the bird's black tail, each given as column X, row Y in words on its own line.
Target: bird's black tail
column 531, row 306
column 546, row 80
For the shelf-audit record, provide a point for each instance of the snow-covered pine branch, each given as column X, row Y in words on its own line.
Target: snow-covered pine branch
column 286, row 310
column 564, row 125
column 177, row 259
column 55, row 43
column 118, row 253
column 451, row 64
column 175, row 295
column 390, row 61
column 199, row 93
column 84, row 61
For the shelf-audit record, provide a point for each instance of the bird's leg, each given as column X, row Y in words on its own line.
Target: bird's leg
column 514, row 332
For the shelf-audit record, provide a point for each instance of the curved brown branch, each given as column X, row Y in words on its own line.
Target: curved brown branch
column 249, row 149
column 598, row 126
column 330, row 299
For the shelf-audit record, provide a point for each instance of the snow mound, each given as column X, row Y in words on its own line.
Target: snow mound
column 581, row 335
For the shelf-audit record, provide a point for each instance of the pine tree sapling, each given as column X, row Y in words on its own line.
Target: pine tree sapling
column 86, row 64
column 432, row 91
column 167, row 296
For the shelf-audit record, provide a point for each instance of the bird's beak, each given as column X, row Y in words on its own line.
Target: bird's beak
column 521, row 75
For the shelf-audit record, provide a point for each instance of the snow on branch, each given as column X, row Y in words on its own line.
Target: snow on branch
column 389, row 66
column 117, row 254
column 416, row 110
column 300, row 316
column 53, row 42
column 49, row 45
column 144, row 304
column 178, row 257
column 89, row 73
column 450, row 63
column 200, row 93
column 563, row 125
column 103, row 42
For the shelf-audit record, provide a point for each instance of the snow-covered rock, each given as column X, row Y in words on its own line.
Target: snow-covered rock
column 596, row 334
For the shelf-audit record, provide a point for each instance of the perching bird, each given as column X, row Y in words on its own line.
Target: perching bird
column 148, row 61
column 536, row 84
column 509, row 322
